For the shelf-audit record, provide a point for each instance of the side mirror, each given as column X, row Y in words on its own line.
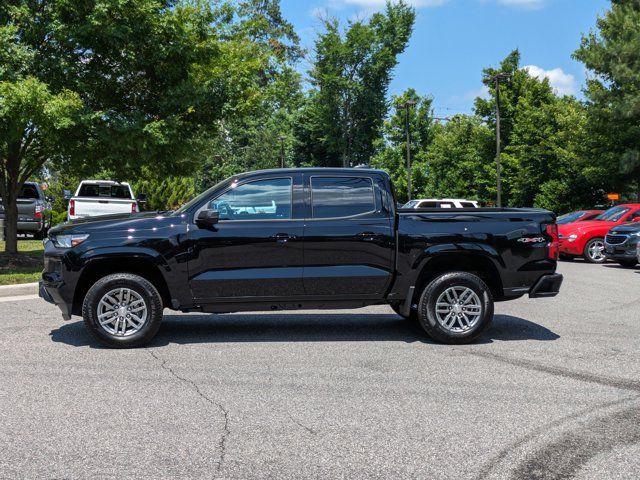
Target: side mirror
column 142, row 198
column 67, row 194
column 207, row 218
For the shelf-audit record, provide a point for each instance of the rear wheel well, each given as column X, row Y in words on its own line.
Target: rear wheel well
column 475, row 264
column 97, row 269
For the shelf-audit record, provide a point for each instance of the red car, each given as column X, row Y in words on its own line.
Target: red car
column 586, row 239
column 578, row 216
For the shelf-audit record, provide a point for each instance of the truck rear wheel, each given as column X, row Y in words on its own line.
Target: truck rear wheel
column 122, row 310
column 456, row 308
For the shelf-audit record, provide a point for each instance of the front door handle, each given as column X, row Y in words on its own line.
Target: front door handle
column 282, row 237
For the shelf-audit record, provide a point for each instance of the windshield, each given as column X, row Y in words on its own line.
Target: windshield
column 613, row 214
column 203, row 196
column 569, row 217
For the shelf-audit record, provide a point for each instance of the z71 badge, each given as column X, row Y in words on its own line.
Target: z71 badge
column 532, row 240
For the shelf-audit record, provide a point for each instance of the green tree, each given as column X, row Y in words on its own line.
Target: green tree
column 545, row 161
column 350, row 77
column 612, row 55
column 391, row 148
column 117, row 85
column 460, row 162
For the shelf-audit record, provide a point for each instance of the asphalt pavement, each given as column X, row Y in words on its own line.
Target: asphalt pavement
column 551, row 391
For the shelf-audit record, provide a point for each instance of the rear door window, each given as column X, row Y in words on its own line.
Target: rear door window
column 429, row 205
column 335, row 197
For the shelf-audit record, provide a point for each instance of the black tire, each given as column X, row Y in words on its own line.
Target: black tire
column 587, row 249
column 413, row 314
column 427, row 308
column 141, row 286
column 628, row 263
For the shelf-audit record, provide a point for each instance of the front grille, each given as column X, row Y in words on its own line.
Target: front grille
column 615, row 239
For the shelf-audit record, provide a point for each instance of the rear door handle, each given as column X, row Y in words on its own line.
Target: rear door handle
column 368, row 236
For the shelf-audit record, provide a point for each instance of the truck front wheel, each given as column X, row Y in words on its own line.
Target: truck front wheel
column 122, row 310
column 456, row 308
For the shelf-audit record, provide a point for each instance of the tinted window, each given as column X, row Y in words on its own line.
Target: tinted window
column 259, row 200
column 467, row 205
column 109, row 191
column 29, row 192
column 429, row 205
column 613, row 214
column 341, row 196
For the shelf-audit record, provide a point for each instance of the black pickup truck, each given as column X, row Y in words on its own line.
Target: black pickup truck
column 299, row 239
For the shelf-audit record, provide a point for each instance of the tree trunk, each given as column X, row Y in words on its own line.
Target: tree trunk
column 11, row 224
column 10, row 189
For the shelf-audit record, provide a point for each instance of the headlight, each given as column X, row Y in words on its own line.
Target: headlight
column 68, row 241
column 572, row 237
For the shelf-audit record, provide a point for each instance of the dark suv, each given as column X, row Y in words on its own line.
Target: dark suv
column 621, row 243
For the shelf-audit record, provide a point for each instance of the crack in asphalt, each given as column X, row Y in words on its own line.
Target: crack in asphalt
column 302, row 425
column 222, row 444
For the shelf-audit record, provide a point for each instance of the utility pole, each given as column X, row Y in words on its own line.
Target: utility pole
column 282, row 138
column 497, row 78
column 407, row 106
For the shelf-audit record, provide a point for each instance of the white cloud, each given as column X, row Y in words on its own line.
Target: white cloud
column 482, row 92
column 523, row 3
column 562, row 83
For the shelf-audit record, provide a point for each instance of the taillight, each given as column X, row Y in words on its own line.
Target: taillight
column 72, row 207
column 38, row 213
column 134, row 207
column 553, row 247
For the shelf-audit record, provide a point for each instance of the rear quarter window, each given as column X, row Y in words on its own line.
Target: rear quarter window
column 335, row 197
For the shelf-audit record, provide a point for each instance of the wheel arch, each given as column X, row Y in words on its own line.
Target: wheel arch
column 99, row 267
column 476, row 264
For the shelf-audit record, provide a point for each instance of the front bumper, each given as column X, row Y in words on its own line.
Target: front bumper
column 546, row 286
column 569, row 248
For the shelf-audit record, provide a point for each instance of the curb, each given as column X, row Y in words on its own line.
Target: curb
column 17, row 290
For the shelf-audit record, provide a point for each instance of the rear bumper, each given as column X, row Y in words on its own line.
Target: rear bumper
column 546, row 286
column 30, row 226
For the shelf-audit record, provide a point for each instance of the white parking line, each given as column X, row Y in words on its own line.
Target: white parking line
column 18, row 298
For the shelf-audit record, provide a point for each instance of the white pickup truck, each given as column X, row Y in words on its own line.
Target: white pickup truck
column 101, row 197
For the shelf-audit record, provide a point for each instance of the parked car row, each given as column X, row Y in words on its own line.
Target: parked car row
column 611, row 235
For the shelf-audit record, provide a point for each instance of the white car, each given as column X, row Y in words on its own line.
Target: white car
column 101, row 197
column 441, row 203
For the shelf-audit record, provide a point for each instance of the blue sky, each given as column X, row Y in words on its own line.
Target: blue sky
column 454, row 40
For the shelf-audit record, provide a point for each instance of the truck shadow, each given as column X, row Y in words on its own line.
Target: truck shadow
column 307, row 327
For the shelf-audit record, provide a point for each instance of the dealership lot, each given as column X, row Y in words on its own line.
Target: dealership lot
column 552, row 391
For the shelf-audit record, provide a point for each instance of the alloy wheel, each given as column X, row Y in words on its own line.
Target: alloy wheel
column 458, row 309
column 122, row 312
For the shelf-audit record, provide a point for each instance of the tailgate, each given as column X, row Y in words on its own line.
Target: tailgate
column 92, row 207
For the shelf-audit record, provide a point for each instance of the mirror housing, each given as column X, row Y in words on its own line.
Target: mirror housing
column 207, row 218
column 142, row 198
column 67, row 194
